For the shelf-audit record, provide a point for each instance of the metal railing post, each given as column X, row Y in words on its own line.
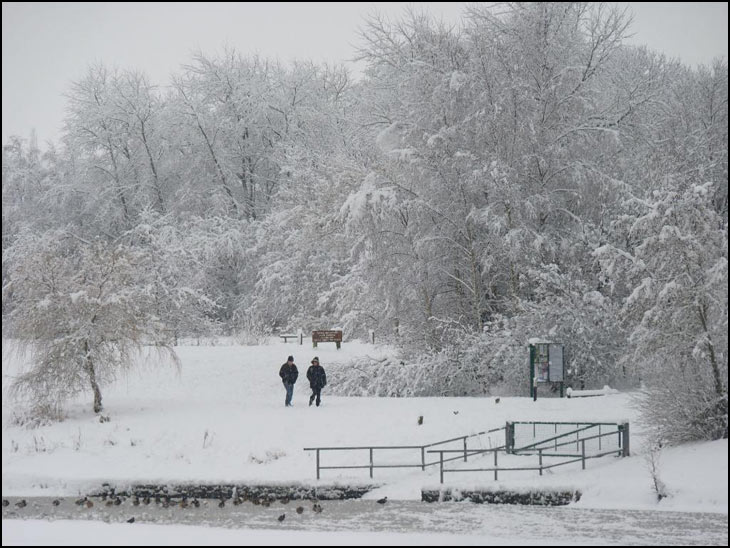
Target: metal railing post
column 317, row 463
column 626, row 439
column 423, row 458
column 371, row 463
column 464, row 448
column 583, row 454
column 599, row 437
column 441, row 460
column 495, row 465
column 541, row 462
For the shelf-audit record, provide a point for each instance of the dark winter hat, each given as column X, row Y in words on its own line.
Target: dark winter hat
column 290, row 359
column 315, row 360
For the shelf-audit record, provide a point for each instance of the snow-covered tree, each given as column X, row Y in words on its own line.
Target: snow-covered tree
column 81, row 313
column 677, row 311
column 481, row 185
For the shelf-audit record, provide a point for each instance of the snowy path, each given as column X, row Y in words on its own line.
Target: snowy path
column 506, row 524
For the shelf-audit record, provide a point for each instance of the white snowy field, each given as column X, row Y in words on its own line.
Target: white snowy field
column 221, row 418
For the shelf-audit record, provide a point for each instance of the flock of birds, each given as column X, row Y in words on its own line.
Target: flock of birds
column 165, row 501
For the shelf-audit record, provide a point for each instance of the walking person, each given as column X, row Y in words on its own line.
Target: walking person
column 317, row 380
column 289, row 374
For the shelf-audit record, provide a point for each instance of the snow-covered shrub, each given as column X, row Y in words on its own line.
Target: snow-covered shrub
column 34, row 414
column 653, row 457
column 252, row 331
column 472, row 365
column 367, row 376
column 496, row 360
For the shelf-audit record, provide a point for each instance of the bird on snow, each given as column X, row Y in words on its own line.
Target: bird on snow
column 196, row 503
column 6, row 502
column 300, row 509
column 222, row 503
column 383, row 500
column 317, row 508
column 131, row 520
column 21, row 503
column 455, row 412
column 496, row 400
column 56, row 502
column 281, row 517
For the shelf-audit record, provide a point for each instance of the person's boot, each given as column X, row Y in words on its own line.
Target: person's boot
column 311, row 399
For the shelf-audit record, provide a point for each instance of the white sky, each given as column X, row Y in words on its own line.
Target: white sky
column 48, row 45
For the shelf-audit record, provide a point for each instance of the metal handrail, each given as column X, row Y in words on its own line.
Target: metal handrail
column 496, row 469
column 465, row 452
column 571, row 442
column 470, row 452
column 578, row 430
column 564, row 422
column 367, row 447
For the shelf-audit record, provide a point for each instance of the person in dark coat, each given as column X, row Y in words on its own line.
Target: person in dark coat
column 289, row 374
column 317, row 380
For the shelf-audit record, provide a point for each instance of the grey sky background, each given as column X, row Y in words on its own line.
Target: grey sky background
column 48, row 45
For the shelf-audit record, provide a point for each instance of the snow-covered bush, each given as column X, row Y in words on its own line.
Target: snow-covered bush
column 252, row 331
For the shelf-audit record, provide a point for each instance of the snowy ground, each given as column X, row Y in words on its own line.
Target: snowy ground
column 221, row 418
column 365, row 522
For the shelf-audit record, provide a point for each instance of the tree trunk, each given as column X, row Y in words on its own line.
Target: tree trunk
column 218, row 167
column 118, row 183
column 160, row 202
column 476, row 282
column 717, row 376
column 92, row 379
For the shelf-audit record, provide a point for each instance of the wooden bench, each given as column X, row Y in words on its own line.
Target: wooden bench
column 286, row 336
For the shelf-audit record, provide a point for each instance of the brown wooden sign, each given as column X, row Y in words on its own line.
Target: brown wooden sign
column 326, row 336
